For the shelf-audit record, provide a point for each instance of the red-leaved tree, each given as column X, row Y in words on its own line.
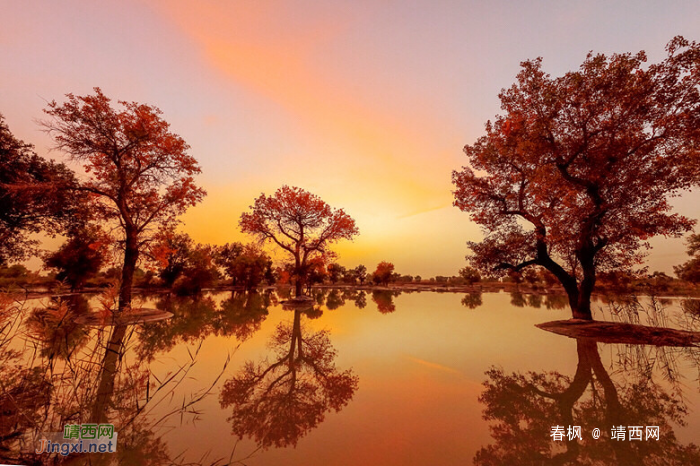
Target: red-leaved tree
column 139, row 174
column 574, row 177
column 301, row 224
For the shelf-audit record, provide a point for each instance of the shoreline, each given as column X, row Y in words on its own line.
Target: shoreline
column 487, row 287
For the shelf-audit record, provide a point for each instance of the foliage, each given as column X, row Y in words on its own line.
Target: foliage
column 171, row 252
column 690, row 270
column 16, row 275
column 140, row 176
column 245, row 265
column 576, row 174
column 301, row 224
column 184, row 266
column 80, row 257
column 34, row 196
column 470, row 275
column 359, row 273
column 315, row 272
column 384, row 273
column 336, row 272
column 199, row 272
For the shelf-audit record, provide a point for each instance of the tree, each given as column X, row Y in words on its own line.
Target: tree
column 314, row 273
column 690, row 270
column 246, row 265
column 360, row 273
column 384, row 273
column 185, row 266
column 575, row 176
column 81, row 257
column 171, row 251
column 199, row 272
column 300, row 223
column 470, row 275
column 33, row 196
column 139, row 172
column 336, row 272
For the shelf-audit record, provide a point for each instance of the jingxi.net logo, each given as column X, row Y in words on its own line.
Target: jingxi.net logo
column 80, row 438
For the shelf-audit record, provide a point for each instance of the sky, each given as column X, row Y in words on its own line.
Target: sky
column 367, row 104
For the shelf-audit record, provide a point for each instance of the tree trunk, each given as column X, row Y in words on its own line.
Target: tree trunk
column 585, row 289
column 131, row 256
column 583, row 309
column 301, row 272
column 579, row 296
column 110, row 366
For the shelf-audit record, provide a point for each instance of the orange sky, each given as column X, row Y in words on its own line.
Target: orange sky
column 365, row 103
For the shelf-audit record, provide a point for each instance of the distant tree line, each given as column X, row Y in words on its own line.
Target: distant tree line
column 567, row 184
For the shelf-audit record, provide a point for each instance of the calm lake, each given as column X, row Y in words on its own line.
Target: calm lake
column 361, row 378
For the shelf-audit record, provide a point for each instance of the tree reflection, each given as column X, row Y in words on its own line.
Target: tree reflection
column 556, row 301
column 80, row 375
column 360, row 299
column 691, row 306
column 197, row 317
column 192, row 321
column 277, row 402
column 523, row 409
column 334, row 300
column 517, row 299
column 384, row 299
column 55, row 329
column 472, row 300
column 242, row 314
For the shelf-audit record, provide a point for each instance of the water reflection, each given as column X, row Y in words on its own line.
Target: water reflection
column 384, row 299
column 197, row 317
column 335, row 298
column 691, row 307
column 54, row 372
column 54, row 329
column 277, row 401
column 472, row 300
column 523, row 409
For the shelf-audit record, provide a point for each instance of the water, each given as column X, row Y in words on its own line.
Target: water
column 363, row 378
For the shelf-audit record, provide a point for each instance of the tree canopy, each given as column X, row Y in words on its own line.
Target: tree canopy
column 33, row 196
column 301, row 224
column 245, row 265
column 139, row 173
column 690, row 270
column 384, row 273
column 576, row 174
column 80, row 257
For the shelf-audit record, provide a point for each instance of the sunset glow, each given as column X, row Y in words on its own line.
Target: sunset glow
column 365, row 104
